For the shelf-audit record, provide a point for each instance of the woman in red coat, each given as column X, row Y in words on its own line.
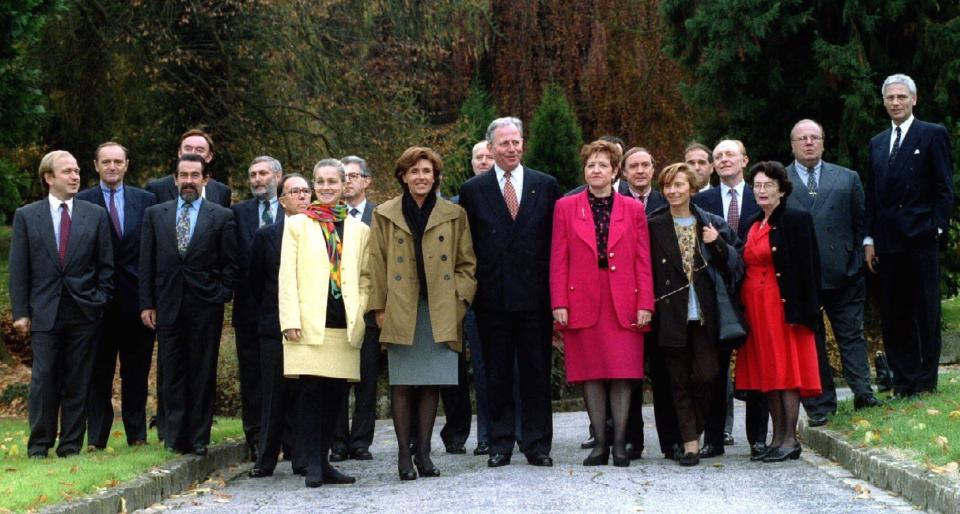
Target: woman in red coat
column 601, row 291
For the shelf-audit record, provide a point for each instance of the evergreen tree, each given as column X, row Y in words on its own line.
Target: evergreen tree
column 554, row 141
column 476, row 113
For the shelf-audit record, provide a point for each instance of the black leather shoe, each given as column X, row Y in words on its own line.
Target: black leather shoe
column 689, row 459
column 456, row 450
column 312, row 482
column 589, row 443
column 778, row 454
column 498, row 459
column 338, row 455
column 633, row 452
column 540, row 459
column 621, row 460
column 816, row 420
column 332, row 475
column 199, row 450
column 760, row 455
column 483, row 448
column 728, row 439
column 425, row 469
column 865, row 402
column 361, row 454
column 260, row 473
column 758, row 449
column 674, row 452
column 598, row 457
column 710, row 450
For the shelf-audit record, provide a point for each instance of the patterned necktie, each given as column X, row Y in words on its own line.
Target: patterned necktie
column 266, row 218
column 733, row 212
column 812, row 180
column 354, row 212
column 510, row 195
column 114, row 217
column 64, row 232
column 895, row 149
column 183, row 229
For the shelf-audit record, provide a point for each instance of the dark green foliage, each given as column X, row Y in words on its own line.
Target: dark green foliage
column 554, row 139
column 476, row 113
column 13, row 392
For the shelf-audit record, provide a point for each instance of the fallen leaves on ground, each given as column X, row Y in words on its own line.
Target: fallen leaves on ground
column 863, row 492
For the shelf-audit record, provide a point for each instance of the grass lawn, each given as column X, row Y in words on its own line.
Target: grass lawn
column 27, row 484
column 925, row 429
column 951, row 313
column 5, row 232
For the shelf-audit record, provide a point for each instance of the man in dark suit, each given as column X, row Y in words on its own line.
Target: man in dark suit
column 188, row 271
column 280, row 394
column 198, row 142
column 511, row 218
column 61, row 279
column 909, row 202
column 834, row 196
column 122, row 334
column 734, row 201
column 354, row 440
column 264, row 173
column 699, row 157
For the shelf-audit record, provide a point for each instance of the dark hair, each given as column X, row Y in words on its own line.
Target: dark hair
column 192, row 157
column 197, row 132
column 775, row 171
column 635, row 150
column 696, row 145
column 288, row 176
column 410, row 157
column 615, row 140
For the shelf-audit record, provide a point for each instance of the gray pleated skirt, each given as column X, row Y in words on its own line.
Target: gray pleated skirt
column 425, row 362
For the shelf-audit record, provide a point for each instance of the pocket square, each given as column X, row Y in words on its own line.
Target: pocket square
column 916, row 152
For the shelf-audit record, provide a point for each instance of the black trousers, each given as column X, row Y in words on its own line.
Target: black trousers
column 60, row 379
column 122, row 335
column 826, row 403
column 523, row 337
column 251, row 396
column 280, row 408
column 320, row 400
column 665, row 414
column 189, row 350
column 692, row 368
column 757, row 417
column 359, row 434
column 456, row 407
column 910, row 314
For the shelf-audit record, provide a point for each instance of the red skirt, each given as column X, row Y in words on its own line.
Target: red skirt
column 606, row 350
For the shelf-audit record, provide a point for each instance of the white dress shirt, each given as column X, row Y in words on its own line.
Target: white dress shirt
column 360, row 207
column 725, row 197
column 516, row 178
column 904, row 128
column 55, row 214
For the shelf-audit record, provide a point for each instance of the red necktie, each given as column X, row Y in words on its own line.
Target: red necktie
column 510, row 195
column 64, row 231
column 114, row 217
column 733, row 211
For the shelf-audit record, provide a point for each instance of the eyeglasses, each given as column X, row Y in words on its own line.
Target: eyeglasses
column 765, row 186
column 807, row 139
column 297, row 191
column 353, row 176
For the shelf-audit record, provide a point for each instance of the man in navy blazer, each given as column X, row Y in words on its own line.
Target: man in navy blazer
column 122, row 334
column 200, row 143
column 510, row 209
column 909, row 201
column 733, row 199
column 61, row 279
column 263, row 209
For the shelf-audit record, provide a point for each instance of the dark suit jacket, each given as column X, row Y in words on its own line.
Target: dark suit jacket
column 711, row 202
column 838, row 212
column 208, row 270
column 796, row 260
column 36, row 276
column 165, row 190
column 909, row 201
column 126, row 251
column 513, row 256
column 246, row 214
column 264, row 277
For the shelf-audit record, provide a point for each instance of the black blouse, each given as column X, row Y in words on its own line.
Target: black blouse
column 336, row 311
column 601, row 207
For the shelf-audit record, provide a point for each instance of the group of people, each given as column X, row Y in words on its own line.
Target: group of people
column 633, row 281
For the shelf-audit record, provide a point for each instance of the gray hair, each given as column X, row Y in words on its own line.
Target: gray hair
column 480, row 144
column 899, row 78
column 503, row 122
column 359, row 161
column 330, row 162
column 274, row 164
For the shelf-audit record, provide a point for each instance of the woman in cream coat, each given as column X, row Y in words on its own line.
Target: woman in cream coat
column 321, row 314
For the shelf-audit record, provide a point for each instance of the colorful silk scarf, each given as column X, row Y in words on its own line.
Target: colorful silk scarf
column 328, row 216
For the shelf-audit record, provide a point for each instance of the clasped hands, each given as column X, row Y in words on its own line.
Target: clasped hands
column 562, row 318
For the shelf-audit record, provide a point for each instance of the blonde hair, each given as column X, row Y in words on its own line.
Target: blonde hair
column 46, row 163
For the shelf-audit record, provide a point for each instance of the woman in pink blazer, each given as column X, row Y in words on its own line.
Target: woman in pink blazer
column 601, row 291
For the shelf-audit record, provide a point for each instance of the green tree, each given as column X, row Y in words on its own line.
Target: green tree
column 476, row 113
column 554, row 141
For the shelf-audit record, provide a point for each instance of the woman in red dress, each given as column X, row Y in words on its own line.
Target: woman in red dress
column 601, row 290
column 781, row 296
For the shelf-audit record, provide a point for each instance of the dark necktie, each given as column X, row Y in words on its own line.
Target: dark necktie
column 733, row 212
column 354, row 212
column 812, row 181
column 266, row 218
column 114, row 217
column 510, row 195
column 895, row 149
column 183, row 229
column 64, row 232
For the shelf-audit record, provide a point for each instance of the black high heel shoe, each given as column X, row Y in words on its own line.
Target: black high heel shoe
column 761, row 455
column 425, row 471
column 778, row 454
column 621, row 459
column 601, row 458
column 407, row 474
column 795, row 453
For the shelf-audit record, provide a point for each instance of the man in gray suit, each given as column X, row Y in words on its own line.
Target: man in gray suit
column 834, row 195
column 61, row 279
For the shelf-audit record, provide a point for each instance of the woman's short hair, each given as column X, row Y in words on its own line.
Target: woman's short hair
column 410, row 157
column 602, row 146
column 670, row 173
column 775, row 171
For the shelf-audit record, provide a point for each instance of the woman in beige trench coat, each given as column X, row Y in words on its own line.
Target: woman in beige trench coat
column 321, row 313
column 421, row 272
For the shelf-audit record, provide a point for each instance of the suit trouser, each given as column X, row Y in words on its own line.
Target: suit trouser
column 320, row 399
column 521, row 339
column 280, row 408
column 251, row 396
column 472, row 333
column 60, row 379
column 910, row 314
column 359, row 434
column 826, row 402
column 665, row 414
column 757, row 416
column 692, row 368
column 457, row 408
column 189, row 349
column 122, row 335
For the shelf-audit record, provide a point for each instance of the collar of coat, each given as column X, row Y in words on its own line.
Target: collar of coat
column 443, row 211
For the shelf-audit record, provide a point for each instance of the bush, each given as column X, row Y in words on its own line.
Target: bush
column 555, row 139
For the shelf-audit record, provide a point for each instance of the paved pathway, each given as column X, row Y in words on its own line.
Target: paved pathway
column 728, row 484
